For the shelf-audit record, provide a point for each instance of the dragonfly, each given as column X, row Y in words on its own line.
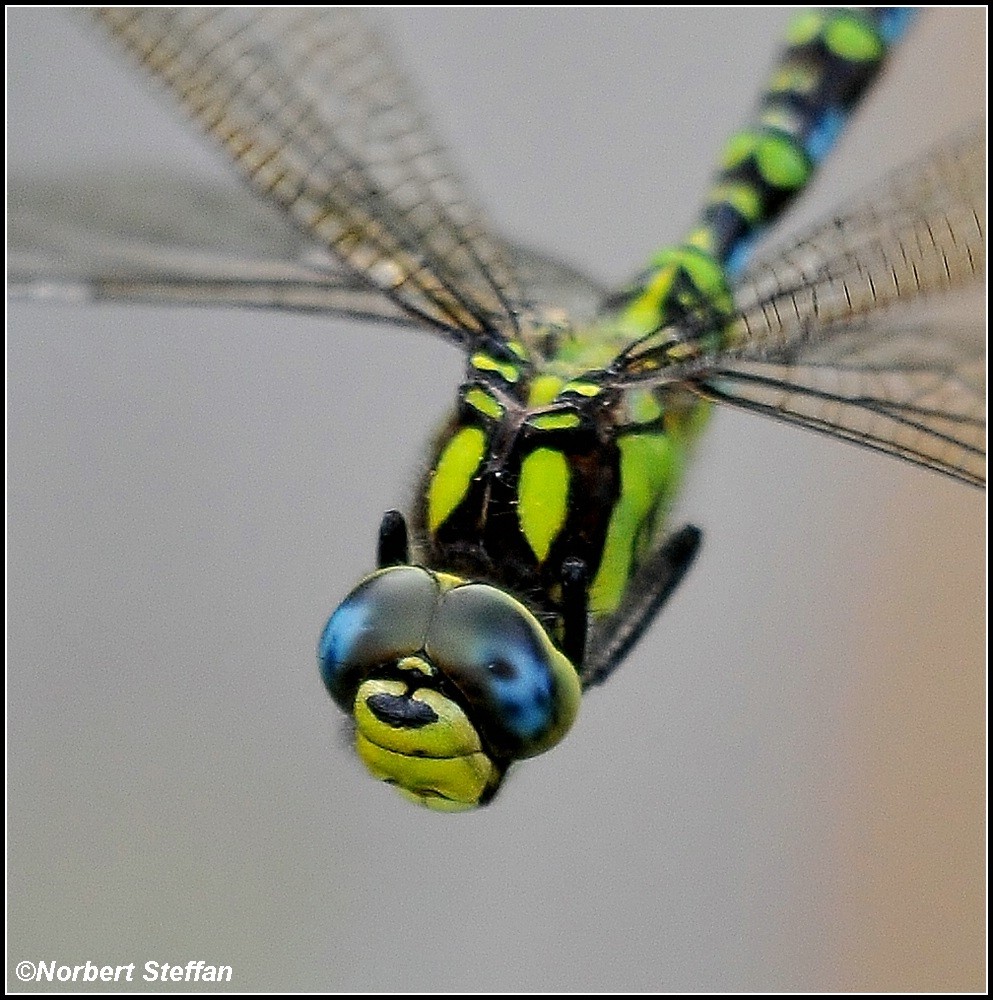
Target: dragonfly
column 540, row 548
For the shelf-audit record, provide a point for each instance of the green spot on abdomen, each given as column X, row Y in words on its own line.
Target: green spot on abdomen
column 780, row 161
column 853, row 39
column 804, row 27
column 745, row 200
column 458, row 463
column 543, row 498
column 793, row 78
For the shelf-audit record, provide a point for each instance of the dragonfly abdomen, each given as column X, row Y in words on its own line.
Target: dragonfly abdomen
column 831, row 58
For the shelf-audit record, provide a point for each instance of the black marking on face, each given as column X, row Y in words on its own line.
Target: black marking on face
column 401, row 711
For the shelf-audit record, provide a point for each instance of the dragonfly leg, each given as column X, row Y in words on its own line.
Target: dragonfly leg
column 654, row 583
column 575, row 607
column 392, row 548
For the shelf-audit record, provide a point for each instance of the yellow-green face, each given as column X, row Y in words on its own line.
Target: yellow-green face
column 449, row 682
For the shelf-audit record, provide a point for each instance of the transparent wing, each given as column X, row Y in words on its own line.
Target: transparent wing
column 162, row 240
column 179, row 241
column 922, row 233
column 309, row 106
column 555, row 292
column 917, row 391
column 827, row 333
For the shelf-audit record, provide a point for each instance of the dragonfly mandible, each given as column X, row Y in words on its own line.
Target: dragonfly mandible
column 544, row 510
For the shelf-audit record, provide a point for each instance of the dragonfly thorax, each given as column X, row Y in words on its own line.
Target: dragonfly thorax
column 533, row 471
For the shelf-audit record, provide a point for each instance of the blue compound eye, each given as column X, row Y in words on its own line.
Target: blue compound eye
column 525, row 692
column 385, row 618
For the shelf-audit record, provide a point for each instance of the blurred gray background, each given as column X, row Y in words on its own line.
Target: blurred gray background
column 781, row 790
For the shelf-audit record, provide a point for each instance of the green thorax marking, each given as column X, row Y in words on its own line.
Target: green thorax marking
column 543, row 461
column 540, row 463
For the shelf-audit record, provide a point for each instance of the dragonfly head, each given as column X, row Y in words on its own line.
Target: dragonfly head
column 448, row 682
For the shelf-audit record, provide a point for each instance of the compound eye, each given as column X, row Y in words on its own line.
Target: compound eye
column 525, row 692
column 385, row 618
